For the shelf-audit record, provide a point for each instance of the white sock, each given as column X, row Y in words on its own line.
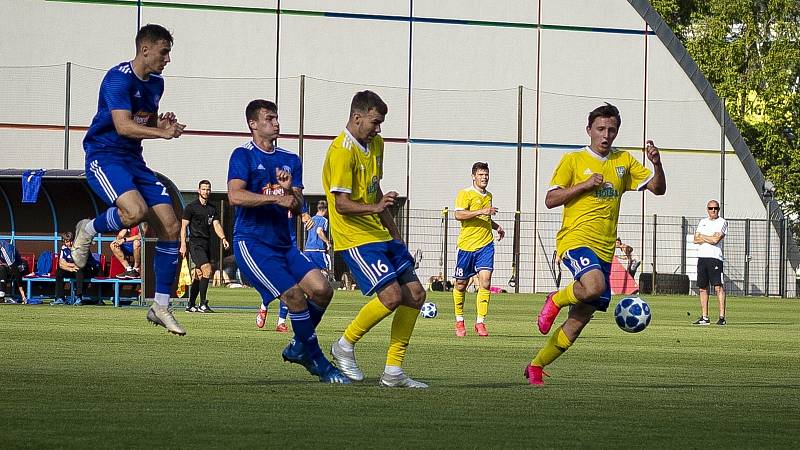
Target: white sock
column 459, row 318
column 479, row 319
column 393, row 370
column 281, row 320
column 162, row 299
column 345, row 345
column 89, row 228
column 263, row 307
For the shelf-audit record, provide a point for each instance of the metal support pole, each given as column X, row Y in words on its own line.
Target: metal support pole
column 782, row 260
column 769, row 245
column 66, row 114
column 299, row 228
column 655, row 240
column 722, row 157
column 445, row 213
column 684, row 229
column 517, row 214
column 221, row 248
column 747, row 257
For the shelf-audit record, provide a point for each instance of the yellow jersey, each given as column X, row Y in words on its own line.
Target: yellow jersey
column 590, row 220
column 476, row 232
column 353, row 169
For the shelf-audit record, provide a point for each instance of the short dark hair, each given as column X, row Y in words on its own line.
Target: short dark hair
column 322, row 204
column 251, row 112
column 67, row 236
column 607, row 110
column 152, row 33
column 479, row 166
column 202, row 182
column 365, row 100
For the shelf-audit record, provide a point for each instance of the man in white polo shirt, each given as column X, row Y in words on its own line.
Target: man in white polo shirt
column 709, row 234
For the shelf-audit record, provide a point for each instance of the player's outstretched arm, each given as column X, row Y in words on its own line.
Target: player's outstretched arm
column 127, row 127
column 658, row 184
column 463, row 214
column 184, row 224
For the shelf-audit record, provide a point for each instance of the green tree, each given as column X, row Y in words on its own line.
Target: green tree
column 750, row 52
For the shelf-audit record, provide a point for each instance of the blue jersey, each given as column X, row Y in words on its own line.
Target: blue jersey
column 313, row 241
column 122, row 89
column 256, row 167
column 66, row 254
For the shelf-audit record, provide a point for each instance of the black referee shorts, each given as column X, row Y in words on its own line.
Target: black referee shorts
column 200, row 252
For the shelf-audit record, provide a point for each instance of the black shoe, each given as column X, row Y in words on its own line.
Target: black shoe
column 191, row 309
column 702, row 321
column 721, row 321
column 204, row 309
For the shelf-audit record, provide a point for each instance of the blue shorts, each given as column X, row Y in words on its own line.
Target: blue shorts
column 319, row 257
column 470, row 263
column 127, row 248
column 111, row 175
column 583, row 259
column 271, row 271
column 377, row 264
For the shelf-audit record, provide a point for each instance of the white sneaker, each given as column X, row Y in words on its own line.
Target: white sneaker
column 401, row 380
column 346, row 362
column 82, row 244
column 162, row 315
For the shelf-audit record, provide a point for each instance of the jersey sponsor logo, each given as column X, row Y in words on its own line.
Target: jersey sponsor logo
column 286, row 169
column 606, row 192
column 620, row 171
column 272, row 189
column 142, row 117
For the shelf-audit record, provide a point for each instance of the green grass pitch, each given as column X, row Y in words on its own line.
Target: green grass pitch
column 102, row 377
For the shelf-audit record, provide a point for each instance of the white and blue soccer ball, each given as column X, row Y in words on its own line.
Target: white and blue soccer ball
column 429, row 310
column 632, row 314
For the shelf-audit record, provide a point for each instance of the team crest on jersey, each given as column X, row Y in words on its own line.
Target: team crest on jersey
column 620, row 171
column 286, row 169
column 373, row 186
column 606, row 192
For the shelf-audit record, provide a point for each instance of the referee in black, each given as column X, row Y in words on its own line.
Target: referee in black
column 199, row 216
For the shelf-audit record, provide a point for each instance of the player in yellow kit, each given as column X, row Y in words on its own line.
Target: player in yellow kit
column 364, row 231
column 475, row 246
column 589, row 183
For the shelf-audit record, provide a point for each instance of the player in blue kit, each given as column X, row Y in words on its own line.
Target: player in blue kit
column 264, row 182
column 317, row 242
column 127, row 113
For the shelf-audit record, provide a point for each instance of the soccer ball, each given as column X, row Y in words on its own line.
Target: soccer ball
column 429, row 311
column 632, row 314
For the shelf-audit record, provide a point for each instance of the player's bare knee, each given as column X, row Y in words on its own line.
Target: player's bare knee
column 133, row 213
column 322, row 294
column 294, row 299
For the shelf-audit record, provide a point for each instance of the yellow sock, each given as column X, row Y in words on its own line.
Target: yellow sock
column 369, row 316
column 566, row 296
column 403, row 323
column 458, row 302
column 556, row 344
column 483, row 302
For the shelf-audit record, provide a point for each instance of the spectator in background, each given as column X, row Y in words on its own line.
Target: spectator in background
column 12, row 269
column 128, row 244
column 68, row 269
column 317, row 243
column 627, row 255
column 709, row 234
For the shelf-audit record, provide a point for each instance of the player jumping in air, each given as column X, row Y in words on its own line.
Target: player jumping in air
column 127, row 113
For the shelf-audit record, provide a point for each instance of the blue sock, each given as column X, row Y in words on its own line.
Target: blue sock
column 305, row 333
column 108, row 221
column 165, row 266
column 284, row 311
column 315, row 312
